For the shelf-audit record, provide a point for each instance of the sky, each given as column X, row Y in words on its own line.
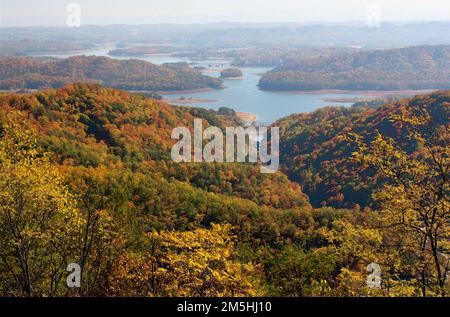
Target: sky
column 101, row 12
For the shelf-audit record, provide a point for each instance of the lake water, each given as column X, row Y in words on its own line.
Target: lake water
column 244, row 95
column 241, row 95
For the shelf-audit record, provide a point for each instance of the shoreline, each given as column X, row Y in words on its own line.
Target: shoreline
column 246, row 117
column 193, row 100
column 177, row 92
column 346, row 100
column 233, row 78
column 355, row 92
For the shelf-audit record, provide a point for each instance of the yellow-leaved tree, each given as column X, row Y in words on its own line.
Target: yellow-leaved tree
column 40, row 224
column 190, row 263
column 414, row 204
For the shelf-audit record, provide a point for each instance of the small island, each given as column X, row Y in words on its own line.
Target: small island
column 231, row 73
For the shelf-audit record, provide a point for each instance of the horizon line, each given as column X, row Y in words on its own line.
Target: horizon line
column 316, row 23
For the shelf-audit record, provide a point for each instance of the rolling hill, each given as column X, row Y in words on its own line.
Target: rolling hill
column 413, row 68
column 133, row 74
column 315, row 152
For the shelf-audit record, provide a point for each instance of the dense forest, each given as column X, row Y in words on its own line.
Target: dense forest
column 415, row 68
column 252, row 56
column 133, row 74
column 87, row 178
column 316, row 152
column 274, row 56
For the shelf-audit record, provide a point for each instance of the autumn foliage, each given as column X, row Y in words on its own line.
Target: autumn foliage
column 86, row 178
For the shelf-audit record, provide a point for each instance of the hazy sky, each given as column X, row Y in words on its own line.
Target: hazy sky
column 53, row 12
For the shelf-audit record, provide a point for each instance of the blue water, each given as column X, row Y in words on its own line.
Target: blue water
column 241, row 95
column 244, row 95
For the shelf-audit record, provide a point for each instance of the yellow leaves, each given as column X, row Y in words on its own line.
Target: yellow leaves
column 37, row 213
column 420, row 119
column 356, row 241
column 320, row 288
column 414, row 211
column 191, row 263
column 354, row 284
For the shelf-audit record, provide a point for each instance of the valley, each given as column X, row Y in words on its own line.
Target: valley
column 225, row 159
column 243, row 95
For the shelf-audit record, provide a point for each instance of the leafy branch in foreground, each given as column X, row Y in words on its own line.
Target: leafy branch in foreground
column 414, row 198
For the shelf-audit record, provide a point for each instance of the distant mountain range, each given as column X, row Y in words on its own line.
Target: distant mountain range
column 27, row 40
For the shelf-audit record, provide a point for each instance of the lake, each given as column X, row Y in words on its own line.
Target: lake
column 240, row 95
column 244, row 95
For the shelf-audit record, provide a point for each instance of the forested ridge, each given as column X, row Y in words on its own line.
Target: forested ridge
column 316, row 152
column 87, row 178
column 417, row 67
column 133, row 74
